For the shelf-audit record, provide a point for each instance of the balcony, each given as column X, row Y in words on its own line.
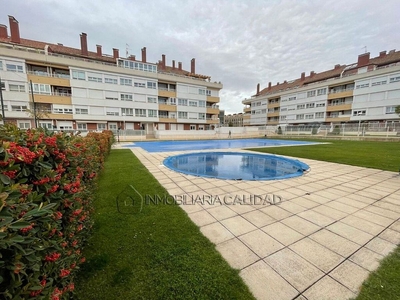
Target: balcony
column 212, row 121
column 167, row 107
column 338, row 118
column 273, row 114
column 342, row 93
column 247, row 110
column 212, row 99
column 338, row 107
column 274, row 105
column 51, row 79
column 54, row 98
column 166, row 120
column 212, row 110
column 164, row 92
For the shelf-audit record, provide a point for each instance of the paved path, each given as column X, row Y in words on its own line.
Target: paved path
column 321, row 242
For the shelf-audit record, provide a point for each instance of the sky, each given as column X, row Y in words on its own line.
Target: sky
column 239, row 43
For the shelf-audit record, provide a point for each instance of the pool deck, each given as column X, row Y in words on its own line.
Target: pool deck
column 321, row 242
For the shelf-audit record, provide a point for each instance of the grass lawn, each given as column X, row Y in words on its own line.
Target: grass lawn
column 384, row 283
column 155, row 254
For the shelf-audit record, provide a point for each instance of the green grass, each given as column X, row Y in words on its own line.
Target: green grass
column 384, row 283
column 377, row 155
column 155, row 254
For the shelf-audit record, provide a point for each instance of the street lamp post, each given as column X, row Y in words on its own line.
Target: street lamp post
column 359, row 114
column 123, row 114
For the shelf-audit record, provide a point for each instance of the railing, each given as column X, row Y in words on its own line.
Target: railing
column 45, row 74
column 167, row 89
column 54, row 94
column 340, row 90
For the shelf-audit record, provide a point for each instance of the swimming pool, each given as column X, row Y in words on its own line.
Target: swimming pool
column 168, row 146
column 236, row 165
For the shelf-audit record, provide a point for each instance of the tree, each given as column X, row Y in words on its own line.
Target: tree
column 397, row 110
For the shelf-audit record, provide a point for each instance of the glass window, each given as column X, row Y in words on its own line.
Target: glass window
column 24, row 125
column 202, row 103
column 193, row 103
column 321, row 91
column 81, row 126
column 110, row 80
column 182, row 115
column 151, row 85
column 151, row 100
column 14, row 68
column 95, row 79
column 183, row 102
column 101, row 126
column 310, row 93
column 127, row 111
column 126, row 97
column 125, row 81
column 79, row 75
column 152, row 113
column 140, row 112
column 81, row 111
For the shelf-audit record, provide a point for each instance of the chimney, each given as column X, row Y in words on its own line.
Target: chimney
column 132, row 57
column 337, row 66
column 303, row 76
column 14, row 30
column 99, row 52
column 285, row 81
column 392, row 51
column 115, row 53
column 163, row 61
column 312, row 73
column 84, row 49
column 180, row 66
column 363, row 59
column 258, row 88
column 193, row 66
column 144, row 54
column 173, row 64
column 277, row 83
column 269, row 85
column 382, row 54
column 3, row 31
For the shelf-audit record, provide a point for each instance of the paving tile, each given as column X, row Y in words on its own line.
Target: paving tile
column 299, row 224
column 202, row 218
column 383, row 212
column 328, row 289
column 318, row 198
column 282, row 233
column 216, row 233
column 380, row 246
column 261, row 243
column 370, row 195
column 347, row 208
column 316, row 218
column 258, row 218
column 238, row 225
column 330, row 212
column 335, row 242
column 367, row 259
column 363, row 224
column 390, row 235
column 351, row 233
column 292, row 207
column 318, row 255
column 295, row 269
column 236, row 253
column 350, row 275
column 266, row 284
column 305, row 202
column 276, row 212
column 221, row 212
column 395, row 226
column 388, row 206
column 374, row 218
column 191, row 208
column 241, row 208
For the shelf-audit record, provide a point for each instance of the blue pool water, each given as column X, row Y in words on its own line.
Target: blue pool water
column 168, row 146
column 236, row 165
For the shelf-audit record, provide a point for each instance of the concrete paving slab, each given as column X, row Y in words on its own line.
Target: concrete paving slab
column 258, row 218
column 238, row 225
column 350, row 233
column 367, row 259
column 282, row 233
column 381, row 246
column 216, row 233
column 328, row 289
column 301, row 225
column 261, row 243
column 237, row 254
column 335, row 242
column 350, row 275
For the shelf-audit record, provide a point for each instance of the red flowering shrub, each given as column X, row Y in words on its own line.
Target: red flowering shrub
column 46, row 187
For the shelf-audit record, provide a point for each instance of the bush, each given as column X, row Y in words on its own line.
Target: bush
column 46, row 188
column 279, row 130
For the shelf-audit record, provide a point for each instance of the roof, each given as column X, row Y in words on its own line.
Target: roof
column 169, row 69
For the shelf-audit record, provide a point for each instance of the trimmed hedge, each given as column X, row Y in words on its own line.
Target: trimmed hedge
column 46, row 188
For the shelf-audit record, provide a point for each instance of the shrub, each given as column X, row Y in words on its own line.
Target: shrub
column 46, row 188
column 279, row 130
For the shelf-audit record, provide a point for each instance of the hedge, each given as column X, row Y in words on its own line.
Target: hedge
column 46, row 186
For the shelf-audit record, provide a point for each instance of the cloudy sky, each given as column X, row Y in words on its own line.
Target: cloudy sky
column 240, row 43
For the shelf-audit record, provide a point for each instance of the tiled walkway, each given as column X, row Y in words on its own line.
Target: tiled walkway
column 321, row 242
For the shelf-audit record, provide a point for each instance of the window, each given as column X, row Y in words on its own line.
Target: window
column 125, row 81
column 379, row 83
column 152, row 113
column 301, row 106
column 182, row 115
column 14, row 68
column 258, row 103
column 337, row 102
column 202, row 116
column 202, row 91
column 390, row 109
column 292, row 98
column 309, row 116
column 127, row 111
column 319, row 115
column 41, row 88
column 111, row 81
column 394, row 79
column 81, row 111
column 283, row 118
column 183, row 102
column 359, row 113
column 361, row 86
column 112, row 113
column 151, row 100
column 19, row 107
column 112, row 126
column 81, row 126
column 137, row 66
column 320, row 105
column 140, row 112
column 311, row 94
column 95, row 78
column 139, row 84
column 284, row 109
column 193, row 103
column 24, row 125
column 101, row 126
column 1, row 65
column 172, row 101
column 151, row 85
column 3, row 86
column 111, row 98
column 208, row 92
column 16, row 88
column 321, row 92
column 202, row 103
column 300, row 117
column 126, row 97
column 80, row 75
column 310, row 105
column 62, row 110
column 192, row 127
column 46, row 125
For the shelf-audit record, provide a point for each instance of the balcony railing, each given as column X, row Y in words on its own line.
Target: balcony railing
column 340, row 90
column 45, row 74
column 167, row 89
column 62, row 94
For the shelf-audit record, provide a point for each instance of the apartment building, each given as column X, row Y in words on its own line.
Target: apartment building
column 64, row 88
column 365, row 91
column 233, row 120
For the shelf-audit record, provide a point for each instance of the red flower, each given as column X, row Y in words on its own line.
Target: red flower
column 18, row 268
column 64, row 244
column 74, row 243
column 83, row 259
column 52, row 257
column 10, row 174
column 27, row 228
column 64, row 272
column 58, row 215
column 56, row 294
